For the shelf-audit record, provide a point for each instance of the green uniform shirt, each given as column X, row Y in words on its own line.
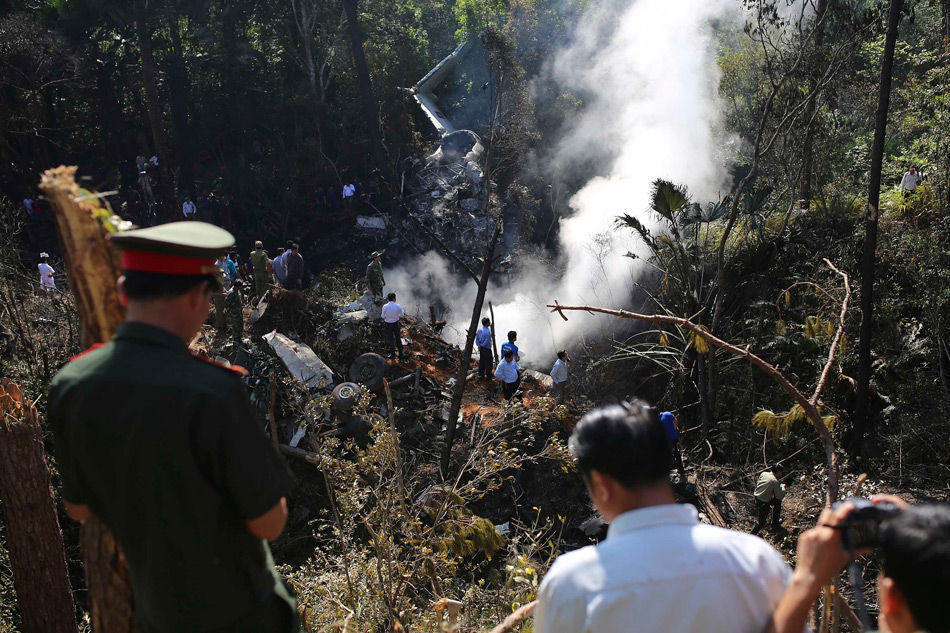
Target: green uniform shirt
column 374, row 277
column 259, row 262
column 164, row 449
column 768, row 488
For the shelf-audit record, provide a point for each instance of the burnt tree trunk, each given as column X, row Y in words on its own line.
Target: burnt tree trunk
column 153, row 104
column 179, row 100
column 34, row 538
column 461, row 378
column 92, row 272
column 811, row 107
column 862, row 421
column 367, row 98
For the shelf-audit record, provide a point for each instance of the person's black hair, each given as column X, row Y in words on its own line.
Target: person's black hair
column 142, row 286
column 509, row 354
column 486, row 321
column 512, row 335
column 295, row 247
column 915, row 548
column 391, row 296
column 623, row 441
column 562, row 354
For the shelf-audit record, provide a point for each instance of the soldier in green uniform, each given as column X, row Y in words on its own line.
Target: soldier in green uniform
column 374, row 275
column 163, row 447
column 260, row 264
column 217, row 297
column 234, row 306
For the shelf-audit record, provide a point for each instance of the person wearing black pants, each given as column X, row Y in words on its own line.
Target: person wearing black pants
column 391, row 314
column 485, row 357
column 509, row 373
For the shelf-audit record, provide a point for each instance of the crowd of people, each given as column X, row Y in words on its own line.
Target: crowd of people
column 202, row 489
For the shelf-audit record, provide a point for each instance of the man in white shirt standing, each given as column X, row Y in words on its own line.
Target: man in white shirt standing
column 47, row 284
column 659, row 569
column 188, row 209
column 559, row 375
column 909, row 181
column 391, row 314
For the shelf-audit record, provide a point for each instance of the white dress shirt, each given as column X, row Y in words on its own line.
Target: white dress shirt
column 507, row 371
column 661, row 571
column 46, row 275
column 909, row 181
column 559, row 371
column 188, row 208
column 349, row 190
column 392, row 312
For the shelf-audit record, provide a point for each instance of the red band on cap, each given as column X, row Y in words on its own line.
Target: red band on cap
column 145, row 262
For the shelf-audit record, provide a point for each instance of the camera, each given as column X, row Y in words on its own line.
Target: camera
column 862, row 527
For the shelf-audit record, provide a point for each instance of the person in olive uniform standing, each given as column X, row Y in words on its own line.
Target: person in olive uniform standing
column 163, row 447
column 259, row 265
column 234, row 306
column 374, row 276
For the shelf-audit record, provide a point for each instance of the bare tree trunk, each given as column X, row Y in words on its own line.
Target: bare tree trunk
column 461, row 378
column 178, row 92
column 93, row 271
column 805, row 192
column 34, row 538
column 367, row 98
column 862, row 423
column 153, row 103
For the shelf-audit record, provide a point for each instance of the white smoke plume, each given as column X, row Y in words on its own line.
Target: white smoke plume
column 647, row 73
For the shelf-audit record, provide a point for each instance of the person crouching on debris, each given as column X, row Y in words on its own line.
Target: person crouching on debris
column 559, row 376
column 164, row 448
column 508, row 372
column 234, row 307
column 47, row 284
column 659, row 568
column 391, row 314
column 768, row 495
column 671, row 427
column 485, row 356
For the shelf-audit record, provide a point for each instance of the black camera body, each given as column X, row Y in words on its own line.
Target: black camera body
column 862, row 527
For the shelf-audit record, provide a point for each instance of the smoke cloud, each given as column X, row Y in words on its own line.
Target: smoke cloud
column 646, row 71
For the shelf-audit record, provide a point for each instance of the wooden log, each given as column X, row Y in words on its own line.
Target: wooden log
column 92, row 267
column 34, row 538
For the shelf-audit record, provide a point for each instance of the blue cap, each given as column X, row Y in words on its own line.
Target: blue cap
column 667, row 416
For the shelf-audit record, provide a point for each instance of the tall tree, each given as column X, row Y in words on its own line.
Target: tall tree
column 153, row 103
column 34, row 538
column 179, row 100
column 862, row 422
column 367, row 97
column 805, row 190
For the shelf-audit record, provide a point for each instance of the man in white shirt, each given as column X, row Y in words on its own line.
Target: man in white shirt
column 559, row 375
column 508, row 372
column 47, row 284
column 188, row 209
column 391, row 314
column 909, row 181
column 659, row 569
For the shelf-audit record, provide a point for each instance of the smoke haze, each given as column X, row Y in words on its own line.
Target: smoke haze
column 646, row 71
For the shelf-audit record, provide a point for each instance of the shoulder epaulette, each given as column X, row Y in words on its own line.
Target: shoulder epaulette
column 81, row 354
column 237, row 369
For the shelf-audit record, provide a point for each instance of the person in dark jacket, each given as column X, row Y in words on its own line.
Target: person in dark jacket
column 294, row 264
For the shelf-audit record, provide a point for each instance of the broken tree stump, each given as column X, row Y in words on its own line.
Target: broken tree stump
column 34, row 537
column 83, row 223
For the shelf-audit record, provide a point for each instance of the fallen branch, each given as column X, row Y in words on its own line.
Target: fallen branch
column 516, row 618
column 808, row 405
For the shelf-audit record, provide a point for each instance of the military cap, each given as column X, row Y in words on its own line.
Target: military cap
column 258, row 244
column 176, row 248
column 377, row 254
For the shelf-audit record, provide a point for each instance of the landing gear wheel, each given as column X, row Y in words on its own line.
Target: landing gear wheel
column 369, row 370
column 344, row 397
